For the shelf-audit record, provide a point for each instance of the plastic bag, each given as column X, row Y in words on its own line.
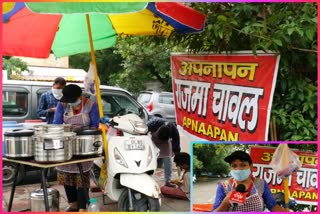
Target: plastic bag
column 89, row 81
column 103, row 173
column 284, row 161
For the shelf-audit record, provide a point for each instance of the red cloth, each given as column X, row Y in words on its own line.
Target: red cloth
column 173, row 192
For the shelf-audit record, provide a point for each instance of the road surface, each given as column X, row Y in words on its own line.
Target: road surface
column 204, row 191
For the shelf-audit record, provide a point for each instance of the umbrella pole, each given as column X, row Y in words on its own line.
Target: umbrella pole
column 93, row 58
column 286, row 193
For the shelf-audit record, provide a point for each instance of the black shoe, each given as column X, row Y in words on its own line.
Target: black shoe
column 71, row 209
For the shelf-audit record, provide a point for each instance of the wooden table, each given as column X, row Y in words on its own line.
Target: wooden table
column 43, row 167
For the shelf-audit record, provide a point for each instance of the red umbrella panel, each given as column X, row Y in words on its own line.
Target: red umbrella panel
column 31, row 34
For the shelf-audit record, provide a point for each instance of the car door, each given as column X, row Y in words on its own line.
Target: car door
column 166, row 102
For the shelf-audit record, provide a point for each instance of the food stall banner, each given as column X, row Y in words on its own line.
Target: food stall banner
column 224, row 97
column 303, row 184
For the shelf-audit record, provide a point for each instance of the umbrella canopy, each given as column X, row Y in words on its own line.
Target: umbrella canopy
column 36, row 29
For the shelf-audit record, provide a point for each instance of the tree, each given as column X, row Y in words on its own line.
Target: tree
column 108, row 63
column 144, row 59
column 14, row 67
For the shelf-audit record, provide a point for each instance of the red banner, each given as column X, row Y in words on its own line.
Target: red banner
column 303, row 184
column 224, row 97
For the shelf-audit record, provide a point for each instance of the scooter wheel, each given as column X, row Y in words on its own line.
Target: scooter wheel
column 141, row 202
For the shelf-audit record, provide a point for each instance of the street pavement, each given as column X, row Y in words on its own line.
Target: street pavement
column 204, row 190
column 22, row 195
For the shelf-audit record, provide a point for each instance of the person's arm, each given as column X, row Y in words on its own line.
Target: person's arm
column 175, row 139
column 43, row 110
column 269, row 199
column 58, row 115
column 94, row 116
column 185, row 185
column 222, row 200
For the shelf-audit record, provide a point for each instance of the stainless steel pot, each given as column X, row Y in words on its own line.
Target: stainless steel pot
column 18, row 143
column 51, row 129
column 52, row 148
column 37, row 200
column 88, row 142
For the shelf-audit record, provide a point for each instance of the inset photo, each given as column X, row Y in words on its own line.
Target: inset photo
column 275, row 177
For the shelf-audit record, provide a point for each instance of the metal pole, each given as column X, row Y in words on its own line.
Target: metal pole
column 13, row 189
column 96, row 77
column 45, row 190
column 286, row 193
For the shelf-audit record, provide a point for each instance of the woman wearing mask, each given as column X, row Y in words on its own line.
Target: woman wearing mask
column 80, row 112
column 49, row 100
column 257, row 191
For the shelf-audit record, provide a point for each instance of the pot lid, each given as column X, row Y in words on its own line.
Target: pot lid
column 49, row 127
column 89, row 132
column 19, row 133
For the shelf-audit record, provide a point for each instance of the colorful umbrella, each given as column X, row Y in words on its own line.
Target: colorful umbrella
column 35, row 29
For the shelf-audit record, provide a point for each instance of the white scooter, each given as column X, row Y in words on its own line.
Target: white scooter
column 132, row 162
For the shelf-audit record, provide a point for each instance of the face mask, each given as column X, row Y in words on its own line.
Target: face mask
column 75, row 104
column 57, row 93
column 240, row 175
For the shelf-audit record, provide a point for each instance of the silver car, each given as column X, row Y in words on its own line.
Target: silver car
column 160, row 104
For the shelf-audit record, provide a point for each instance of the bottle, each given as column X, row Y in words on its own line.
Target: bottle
column 93, row 206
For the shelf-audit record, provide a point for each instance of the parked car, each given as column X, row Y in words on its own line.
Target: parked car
column 160, row 104
column 20, row 102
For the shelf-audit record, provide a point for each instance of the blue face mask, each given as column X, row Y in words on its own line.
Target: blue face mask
column 75, row 104
column 240, row 175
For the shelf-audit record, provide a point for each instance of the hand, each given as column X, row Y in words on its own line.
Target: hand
column 52, row 109
column 226, row 199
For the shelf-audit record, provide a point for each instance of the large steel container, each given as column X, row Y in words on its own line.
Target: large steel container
column 88, row 142
column 18, row 143
column 54, row 148
column 37, row 200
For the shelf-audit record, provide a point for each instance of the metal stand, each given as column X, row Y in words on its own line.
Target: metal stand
column 13, row 189
column 45, row 190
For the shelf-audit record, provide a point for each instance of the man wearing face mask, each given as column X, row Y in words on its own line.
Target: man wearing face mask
column 257, row 190
column 49, row 100
column 80, row 112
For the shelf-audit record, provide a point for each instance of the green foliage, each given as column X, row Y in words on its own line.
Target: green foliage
column 295, row 109
column 145, row 59
column 14, row 67
column 107, row 61
column 211, row 157
column 197, row 164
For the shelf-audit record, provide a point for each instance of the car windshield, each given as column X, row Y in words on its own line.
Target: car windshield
column 144, row 97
